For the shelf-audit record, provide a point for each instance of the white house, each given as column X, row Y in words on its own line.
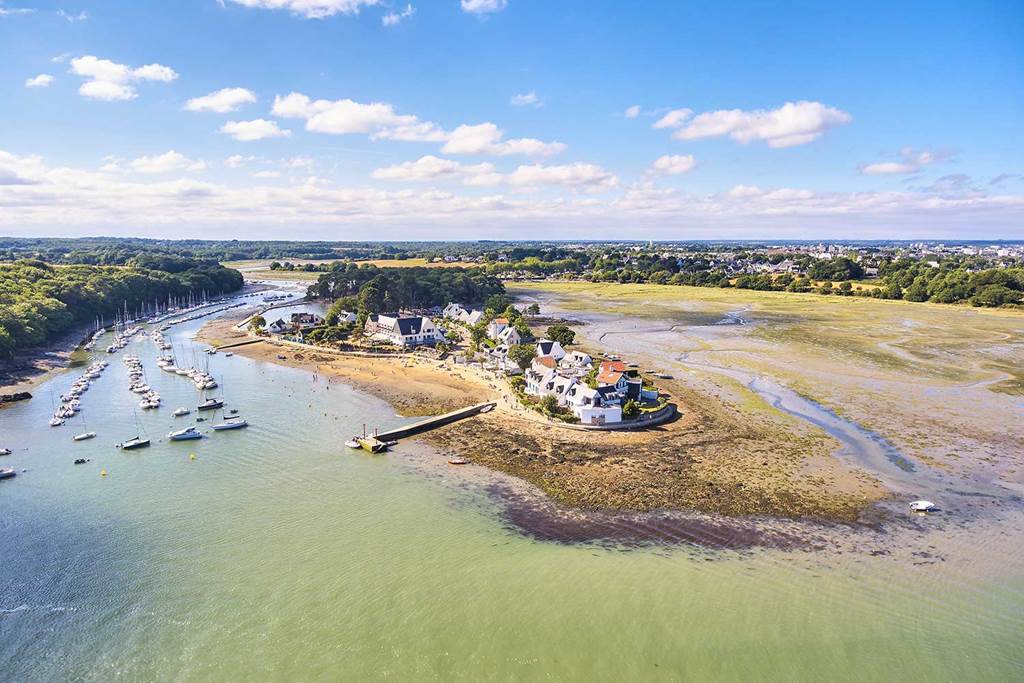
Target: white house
column 471, row 318
column 510, row 336
column 346, row 317
column 594, row 406
column 496, row 327
column 546, row 347
column 279, row 326
column 403, row 330
column 577, row 360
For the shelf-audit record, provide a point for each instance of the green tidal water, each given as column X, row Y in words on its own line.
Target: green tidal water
column 278, row 554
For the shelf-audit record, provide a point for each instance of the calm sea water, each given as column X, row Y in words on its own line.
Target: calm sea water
column 278, row 554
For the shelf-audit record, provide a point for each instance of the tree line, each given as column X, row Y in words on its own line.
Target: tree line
column 40, row 301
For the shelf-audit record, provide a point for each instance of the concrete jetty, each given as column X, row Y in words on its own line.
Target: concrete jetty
column 433, row 422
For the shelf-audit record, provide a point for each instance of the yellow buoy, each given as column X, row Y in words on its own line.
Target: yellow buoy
column 103, row 473
column 191, row 456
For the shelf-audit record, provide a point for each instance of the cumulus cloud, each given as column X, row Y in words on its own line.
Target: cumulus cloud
column 37, row 196
column 309, row 9
column 673, row 119
column 40, row 81
column 432, row 168
column 166, row 163
column 675, row 164
column 632, row 112
column 588, row 177
column 257, row 129
column 238, row 160
column 392, row 18
column 380, row 121
column 266, row 174
column 222, row 101
column 528, row 99
column 794, row 123
column 911, row 161
column 487, row 138
column 483, row 6
column 109, row 80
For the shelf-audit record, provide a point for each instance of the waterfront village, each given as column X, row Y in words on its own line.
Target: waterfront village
column 566, row 385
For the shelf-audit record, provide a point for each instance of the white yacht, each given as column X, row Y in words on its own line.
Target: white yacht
column 184, row 434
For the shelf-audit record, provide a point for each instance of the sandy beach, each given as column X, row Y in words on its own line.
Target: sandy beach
column 714, row 458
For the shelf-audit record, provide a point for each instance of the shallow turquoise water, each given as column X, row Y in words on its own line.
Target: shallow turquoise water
column 279, row 554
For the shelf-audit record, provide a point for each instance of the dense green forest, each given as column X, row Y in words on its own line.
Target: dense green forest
column 377, row 290
column 39, row 301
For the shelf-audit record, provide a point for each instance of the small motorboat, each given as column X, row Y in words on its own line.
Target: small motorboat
column 180, row 412
column 457, row 460
column 84, row 436
column 229, row 354
column 210, row 404
column 56, row 422
column 5, row 451
column 132, row 444
column 7, row 472
column 81, row 461
column 230, row 423
column 184, row 434
column 354, row 443
column 922, row 506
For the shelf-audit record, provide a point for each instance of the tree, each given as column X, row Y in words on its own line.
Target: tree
column 561, row 334
column 845, row 288
column 631, row 410
column 549, row 404
column 522, row 355
column 257, row 324
column 533, row 309
column 995, row 295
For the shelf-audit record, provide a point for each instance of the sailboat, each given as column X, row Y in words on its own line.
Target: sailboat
column 136, row 441
column 86, row 435
column 233, row 422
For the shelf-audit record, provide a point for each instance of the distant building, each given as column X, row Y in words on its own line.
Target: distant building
column 547, row 347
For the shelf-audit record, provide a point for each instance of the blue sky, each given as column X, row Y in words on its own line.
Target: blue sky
column 356, row 119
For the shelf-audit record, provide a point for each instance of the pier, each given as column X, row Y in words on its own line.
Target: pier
column 377, row 442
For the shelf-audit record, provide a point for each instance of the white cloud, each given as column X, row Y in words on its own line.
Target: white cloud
column 40, row 81
column 632, row 112
column 38, row 198
column 222, row 101
column 528, row 99
column 61, row 58
column 794, row 123
column 483, row 6
column 434, row 168
column 166, row 163
column 673, row 119
column 310, row 9
column 266, row 174
column 585, row 176
column 299, row 162
column 675, row 164
column 392, row 18
column 81, row 16
column 238, row 160
column 380, row 121
column 257, row 129
column 13, row 11
column 109, row 80
column 911, row 162
column 343, row 117
column 487, row 138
